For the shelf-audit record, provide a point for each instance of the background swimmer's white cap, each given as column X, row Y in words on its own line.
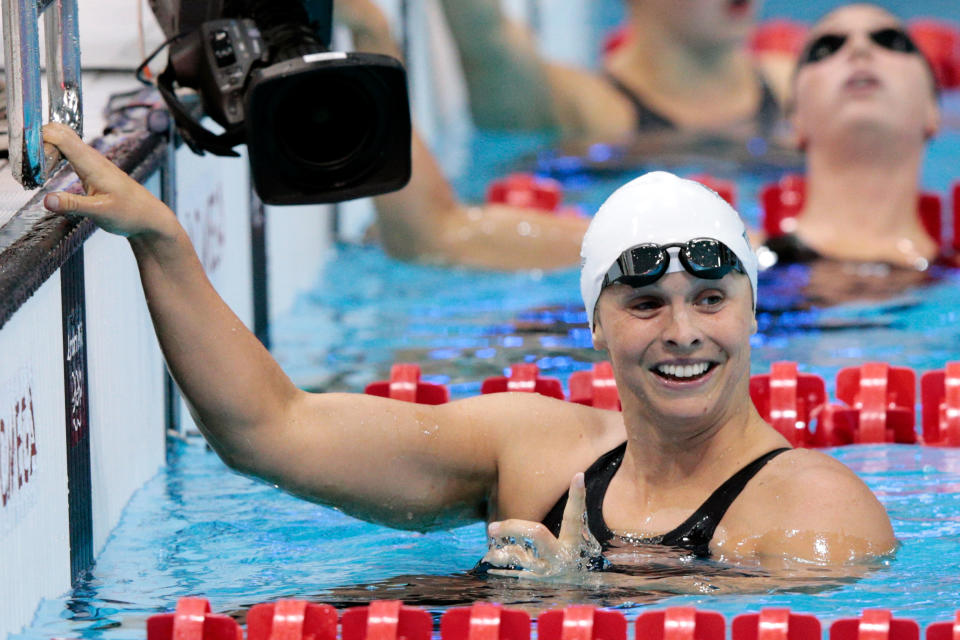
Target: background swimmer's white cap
column 661, row 208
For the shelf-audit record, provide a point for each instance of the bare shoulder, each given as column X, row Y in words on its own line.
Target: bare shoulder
column 587, row 103
column 808, row 505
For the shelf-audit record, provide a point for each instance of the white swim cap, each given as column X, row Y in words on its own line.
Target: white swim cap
column 659, row 208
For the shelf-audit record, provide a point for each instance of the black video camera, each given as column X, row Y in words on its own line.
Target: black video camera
column 320, row 125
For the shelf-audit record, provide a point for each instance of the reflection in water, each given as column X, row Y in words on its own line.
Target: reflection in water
column 638, row 575
column 828, row 283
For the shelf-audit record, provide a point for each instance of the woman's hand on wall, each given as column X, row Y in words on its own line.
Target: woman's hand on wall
column 113, row 200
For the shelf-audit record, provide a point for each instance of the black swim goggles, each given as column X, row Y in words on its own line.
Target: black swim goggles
column 824, row 46
column 644, row 264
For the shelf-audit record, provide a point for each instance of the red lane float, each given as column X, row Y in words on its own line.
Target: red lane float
column 875, row 624
column 524, row 377
column 292, row 620
column 595, row 388
column 392, row 620
column 775, row 624
column 404, row 384
column 945, row 630
column 884, row 397
column 782, row 202
column 192, row 620
column 386, row 620
column 529, row 191
column 788, row 400
column 940, row 391
column 726, row 189
column 581, row 622
column 779, row 36
column 940, row 43
column 877, row 400
column 680, row 623
column 485, row 621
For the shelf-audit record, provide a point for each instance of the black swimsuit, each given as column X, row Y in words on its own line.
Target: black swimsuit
column 767, row 115
column 694, row 534
column 790, row 249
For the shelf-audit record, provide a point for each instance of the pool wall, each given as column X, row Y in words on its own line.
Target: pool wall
column 85, row 403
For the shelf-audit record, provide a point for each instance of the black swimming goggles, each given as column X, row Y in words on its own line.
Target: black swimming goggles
column 824, row 46
column 646, row 263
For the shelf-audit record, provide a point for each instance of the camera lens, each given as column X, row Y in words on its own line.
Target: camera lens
column 328, row 129
column 326, row 124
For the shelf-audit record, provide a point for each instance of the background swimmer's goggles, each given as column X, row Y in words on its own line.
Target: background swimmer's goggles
column 890, row 38
column 646, row 263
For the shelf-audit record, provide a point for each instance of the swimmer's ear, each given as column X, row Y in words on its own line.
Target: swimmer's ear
column 599, row 342
column 932, row 120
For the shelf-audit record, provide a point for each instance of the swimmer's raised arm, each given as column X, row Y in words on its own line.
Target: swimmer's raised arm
column 392, row 462
column 512, row 86
column 425, row 221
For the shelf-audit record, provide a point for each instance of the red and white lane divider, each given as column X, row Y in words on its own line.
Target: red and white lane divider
column 392, row 620
column 875, row 402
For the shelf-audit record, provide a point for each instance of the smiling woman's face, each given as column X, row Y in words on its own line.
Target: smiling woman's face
column 680, row 347
column 862, row 82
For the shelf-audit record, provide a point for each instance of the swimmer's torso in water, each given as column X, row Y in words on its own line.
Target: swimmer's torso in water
column 765, row 118
column 694, row 534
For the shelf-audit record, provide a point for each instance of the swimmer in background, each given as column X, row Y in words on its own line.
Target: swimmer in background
column 426, row 222
column 669, row 282
column 684, row 65
column 864, row 107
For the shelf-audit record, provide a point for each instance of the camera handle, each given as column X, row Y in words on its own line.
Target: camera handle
column 197, row 137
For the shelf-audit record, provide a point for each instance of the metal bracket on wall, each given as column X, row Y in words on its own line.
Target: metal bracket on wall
column 21, row 41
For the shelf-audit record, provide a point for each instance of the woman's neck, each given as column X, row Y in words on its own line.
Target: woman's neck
column 675, row 75
column 663, row 454
column 861, row 202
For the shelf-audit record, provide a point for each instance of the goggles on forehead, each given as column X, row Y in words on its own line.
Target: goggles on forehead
column 824, row 46
column 644, row 264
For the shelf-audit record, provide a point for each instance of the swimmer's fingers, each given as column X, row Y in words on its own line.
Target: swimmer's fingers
column 522, row 545
column 529, row 535
column 574, row 526
column 88, row 163
column 514, row 558
column 114, row 201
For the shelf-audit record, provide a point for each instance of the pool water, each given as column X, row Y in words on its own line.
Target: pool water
column 199, row 529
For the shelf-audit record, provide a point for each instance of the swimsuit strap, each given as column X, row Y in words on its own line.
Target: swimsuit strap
column 766, row 116
column 646, row 118
column 768, row 113
column 693, row 534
